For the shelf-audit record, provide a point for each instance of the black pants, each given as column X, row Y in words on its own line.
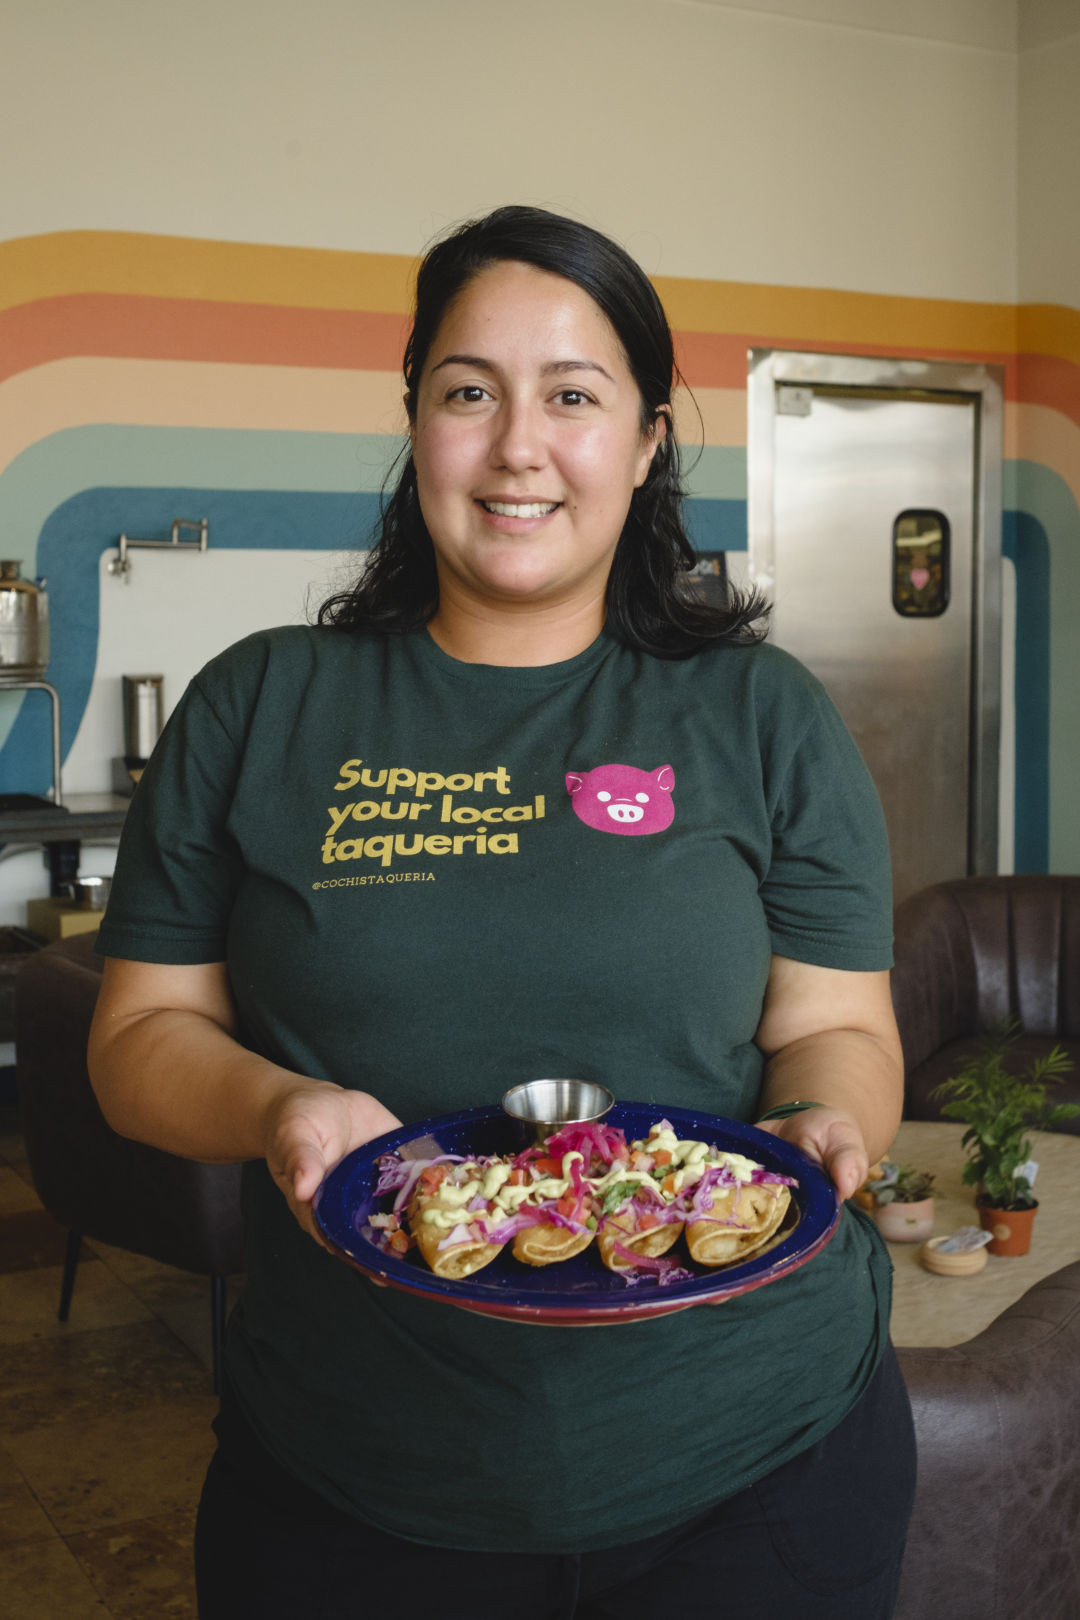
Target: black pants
column 821, row 1538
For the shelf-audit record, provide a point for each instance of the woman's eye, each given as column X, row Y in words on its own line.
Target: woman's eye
column 573, row 396
column 469, row 393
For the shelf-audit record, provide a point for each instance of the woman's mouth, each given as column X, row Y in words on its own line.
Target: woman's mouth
column 520, row 509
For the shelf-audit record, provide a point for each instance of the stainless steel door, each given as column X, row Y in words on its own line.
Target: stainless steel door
column 866, row 501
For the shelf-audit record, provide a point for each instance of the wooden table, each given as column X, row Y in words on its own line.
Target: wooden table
column 932, row 1310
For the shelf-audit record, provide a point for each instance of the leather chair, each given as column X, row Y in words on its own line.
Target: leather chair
column 95, row 1183
column 994, row 1532
column 973, row 952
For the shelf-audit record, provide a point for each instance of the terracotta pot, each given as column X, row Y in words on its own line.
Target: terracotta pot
column 905, row 1223
column 1011, row 1228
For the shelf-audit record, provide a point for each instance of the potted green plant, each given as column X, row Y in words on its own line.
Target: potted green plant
column 903, row 1203
column 999, row 1109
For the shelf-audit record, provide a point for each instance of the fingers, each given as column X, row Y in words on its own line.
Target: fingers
column 833, row 1139
column 306, row 1170
column 848, row 1169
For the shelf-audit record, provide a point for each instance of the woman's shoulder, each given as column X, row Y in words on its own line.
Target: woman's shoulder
column 763, row 672
column 290, row 648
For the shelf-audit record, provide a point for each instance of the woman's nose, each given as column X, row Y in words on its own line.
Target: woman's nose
column 519, row 441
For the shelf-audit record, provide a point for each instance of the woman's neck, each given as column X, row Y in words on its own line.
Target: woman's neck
column 517, row 637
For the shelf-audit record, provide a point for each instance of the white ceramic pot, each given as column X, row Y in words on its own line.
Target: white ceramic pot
column 905, row 1223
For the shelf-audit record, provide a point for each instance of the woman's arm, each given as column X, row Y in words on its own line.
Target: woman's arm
column 830, row 1037
column 167, row 1070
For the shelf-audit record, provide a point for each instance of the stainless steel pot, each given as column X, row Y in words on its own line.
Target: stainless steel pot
column 24, row 625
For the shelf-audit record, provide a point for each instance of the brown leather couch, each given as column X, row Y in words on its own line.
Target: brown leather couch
column 94, row 1182
column 973, row 952
column 996, row 1529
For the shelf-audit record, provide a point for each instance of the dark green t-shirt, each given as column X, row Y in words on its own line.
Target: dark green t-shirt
column 431, row 880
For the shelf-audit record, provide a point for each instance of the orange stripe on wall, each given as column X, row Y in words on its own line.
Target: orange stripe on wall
column 187, row 329
column 1047, row 380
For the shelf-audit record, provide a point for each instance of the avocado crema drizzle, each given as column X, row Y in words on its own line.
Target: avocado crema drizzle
column 489, row 1179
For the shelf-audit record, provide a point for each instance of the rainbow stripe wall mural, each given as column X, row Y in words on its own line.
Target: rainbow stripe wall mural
column 145, row 377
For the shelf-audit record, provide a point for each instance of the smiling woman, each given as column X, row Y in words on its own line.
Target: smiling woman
column 520, row 804
column 538, row 375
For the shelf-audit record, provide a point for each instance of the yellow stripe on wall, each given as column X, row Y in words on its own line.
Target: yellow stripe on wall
column 1049, row 329
column 67, row 262
column 836, row 317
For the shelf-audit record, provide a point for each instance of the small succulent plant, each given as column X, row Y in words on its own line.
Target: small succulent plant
column 901, row 1184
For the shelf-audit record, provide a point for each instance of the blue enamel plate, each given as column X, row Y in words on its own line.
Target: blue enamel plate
column 581, row 1291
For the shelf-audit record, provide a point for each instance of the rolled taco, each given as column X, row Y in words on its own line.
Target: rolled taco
column 558, row 1207
column 740, row 1223
column 635, row 1229
column 452, row 1214
column 545, row 1244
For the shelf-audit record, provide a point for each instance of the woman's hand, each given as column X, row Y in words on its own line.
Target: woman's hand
column 832, row 1138
column 308, row 1129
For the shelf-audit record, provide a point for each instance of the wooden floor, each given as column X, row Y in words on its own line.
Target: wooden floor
column 104, row 1421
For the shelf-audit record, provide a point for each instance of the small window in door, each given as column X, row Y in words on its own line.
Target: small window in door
column 920, row 564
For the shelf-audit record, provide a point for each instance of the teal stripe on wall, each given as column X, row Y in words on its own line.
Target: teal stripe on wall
column 1025, row 541
column 1044, row 496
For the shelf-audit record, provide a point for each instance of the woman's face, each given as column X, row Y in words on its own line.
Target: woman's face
column 527, row 442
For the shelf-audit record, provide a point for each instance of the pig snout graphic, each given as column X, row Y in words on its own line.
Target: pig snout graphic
column 622, row 798
column 621, row 811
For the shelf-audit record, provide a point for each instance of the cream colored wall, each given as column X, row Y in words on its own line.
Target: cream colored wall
column 717, row 141
column 1049, row 146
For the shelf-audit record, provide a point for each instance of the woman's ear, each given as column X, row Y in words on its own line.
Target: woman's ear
column 650, row 443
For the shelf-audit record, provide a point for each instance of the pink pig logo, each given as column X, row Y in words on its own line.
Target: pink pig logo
column 622, row 799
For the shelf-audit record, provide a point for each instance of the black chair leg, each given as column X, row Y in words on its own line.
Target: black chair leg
column 217, row 1326
column 71, row 1261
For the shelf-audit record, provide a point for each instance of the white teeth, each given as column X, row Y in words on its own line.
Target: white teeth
column 534, row 509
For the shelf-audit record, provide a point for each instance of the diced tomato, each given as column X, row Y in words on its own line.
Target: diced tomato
column 401, row 1242
column 549, row 1167
column 646, row 1221
column 517, row 1177
column 668, row 1184
column 433, row 1177
column 567, row 1203
column 662, row 1156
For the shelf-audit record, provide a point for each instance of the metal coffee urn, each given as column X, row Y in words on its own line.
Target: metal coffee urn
column 24, row 657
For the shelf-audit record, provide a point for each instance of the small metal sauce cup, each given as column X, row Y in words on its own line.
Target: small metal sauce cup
column 90, row 893
column 541, row 1107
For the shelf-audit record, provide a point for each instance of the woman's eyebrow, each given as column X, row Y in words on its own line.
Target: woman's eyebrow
column 553, row 367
